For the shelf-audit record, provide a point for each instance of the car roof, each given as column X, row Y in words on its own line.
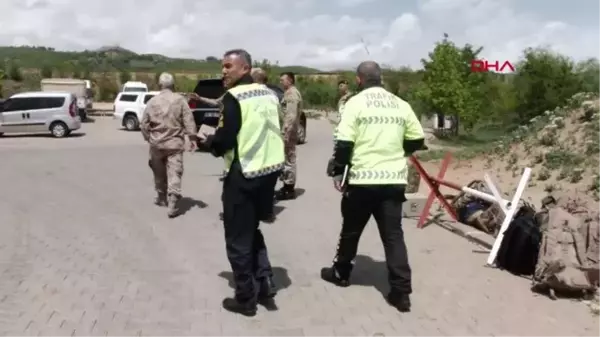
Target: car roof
column 42, row 94
column 135, row 83
column 139, row 93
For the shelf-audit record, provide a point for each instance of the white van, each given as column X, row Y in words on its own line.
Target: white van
column 36, row 112
column 72, row 85
column 133, row 86
column 129, row 108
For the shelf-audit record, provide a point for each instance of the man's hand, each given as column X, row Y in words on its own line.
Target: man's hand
column 194, row 96
column 192, row 146
column 337, row 183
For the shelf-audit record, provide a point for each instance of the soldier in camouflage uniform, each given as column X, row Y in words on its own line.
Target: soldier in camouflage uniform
column 292, row 107
column 167, row 120
column 345, row 95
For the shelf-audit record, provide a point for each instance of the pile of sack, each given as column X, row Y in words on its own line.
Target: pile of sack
column 557, row 246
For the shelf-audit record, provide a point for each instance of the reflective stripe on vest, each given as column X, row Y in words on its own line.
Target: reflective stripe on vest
column 380, row 120
column 378, row 174
column 264, row 109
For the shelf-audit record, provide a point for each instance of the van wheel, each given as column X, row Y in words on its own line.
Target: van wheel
column 59, row 129
column 131, row 123
column 301, row 133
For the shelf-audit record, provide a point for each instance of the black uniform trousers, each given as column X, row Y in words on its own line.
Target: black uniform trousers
column 245, row 203
column 384, row 203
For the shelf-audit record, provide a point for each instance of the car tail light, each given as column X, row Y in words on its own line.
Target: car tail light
column 192, row 104
column 73, row 109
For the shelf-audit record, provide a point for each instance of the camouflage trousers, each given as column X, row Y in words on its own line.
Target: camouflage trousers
column 167, row 167
column 288, row 176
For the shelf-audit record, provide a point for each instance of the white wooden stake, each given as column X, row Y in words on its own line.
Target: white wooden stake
column 495, row 192
column 512, row 209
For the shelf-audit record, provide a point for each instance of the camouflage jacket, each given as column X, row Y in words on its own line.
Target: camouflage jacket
column 342, row 101
column 292, row 108
column 167, row 120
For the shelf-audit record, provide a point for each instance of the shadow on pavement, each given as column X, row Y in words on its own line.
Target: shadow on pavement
column 187, row 203
column 280, row 278
column 42, row 135
column 371, row 273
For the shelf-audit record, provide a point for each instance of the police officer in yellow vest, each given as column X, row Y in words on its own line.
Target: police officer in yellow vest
column 376, row 133
column 249, row 139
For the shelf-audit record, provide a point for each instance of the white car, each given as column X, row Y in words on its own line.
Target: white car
column 129, row 108
column 134, row 86
column 37, row 112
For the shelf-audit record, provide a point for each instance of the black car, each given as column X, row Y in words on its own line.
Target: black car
column 209, row 115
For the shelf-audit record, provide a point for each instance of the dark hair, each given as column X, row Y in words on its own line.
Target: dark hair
column 243, row 54
column 343, row 82
column 290, row 75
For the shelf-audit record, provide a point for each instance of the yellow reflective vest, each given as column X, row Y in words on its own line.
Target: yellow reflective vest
column 259, row 142
column 377, row 122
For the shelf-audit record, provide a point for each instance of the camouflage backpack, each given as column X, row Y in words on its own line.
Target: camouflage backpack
column 562, row 262
column 590, row 230
column 488, row 218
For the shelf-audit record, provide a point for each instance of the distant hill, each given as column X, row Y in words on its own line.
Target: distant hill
column 115, row 58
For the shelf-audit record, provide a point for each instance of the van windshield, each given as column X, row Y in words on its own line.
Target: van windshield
column 134, row 89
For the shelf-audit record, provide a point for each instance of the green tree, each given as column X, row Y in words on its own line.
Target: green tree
column 86, row 74
column 14, row 72
column 46, row 71
column 544, row 80
column 589, row 72
column 124, row 76
column 61, row 72
column 2, row 76
column 446, row 87
column 77, row 73
column 107, row 88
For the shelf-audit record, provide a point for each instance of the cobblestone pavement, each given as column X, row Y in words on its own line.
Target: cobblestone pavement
column 84, row 252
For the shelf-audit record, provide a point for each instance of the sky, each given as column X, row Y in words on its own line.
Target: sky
column 334, row 34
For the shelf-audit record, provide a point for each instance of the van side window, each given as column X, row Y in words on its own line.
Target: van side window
column 128, row 98
column 147, row 98
column 22, row 103
column 52, row 102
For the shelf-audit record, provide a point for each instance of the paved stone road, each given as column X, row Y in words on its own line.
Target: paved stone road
column 84, row 252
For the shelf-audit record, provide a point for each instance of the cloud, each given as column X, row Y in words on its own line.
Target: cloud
column 292, row 33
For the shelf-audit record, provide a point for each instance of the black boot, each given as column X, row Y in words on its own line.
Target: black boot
column 266, row 294
column 337, row 274
column 267, row 288
column 246, row 309
column 269, row 218
column 287, row 192
column 160, row 200
column 399, row 301
column 172, row 204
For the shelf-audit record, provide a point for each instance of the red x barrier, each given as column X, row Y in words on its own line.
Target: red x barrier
column 434, row 184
